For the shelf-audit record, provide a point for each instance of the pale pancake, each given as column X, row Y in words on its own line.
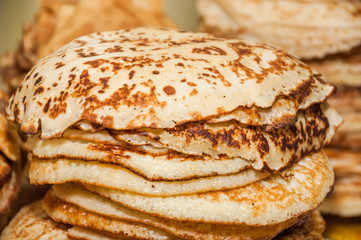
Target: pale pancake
column 66, row 213
column 77, row 195
column 311, row 228
column 31, row 222
column 297, row 190
column 56, row 171
column 274, row 150
column 9, row 190
column 212, row 72
column 288, row 25
column 153, row 165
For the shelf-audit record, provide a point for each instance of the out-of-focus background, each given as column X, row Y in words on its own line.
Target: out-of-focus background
column 13, row 14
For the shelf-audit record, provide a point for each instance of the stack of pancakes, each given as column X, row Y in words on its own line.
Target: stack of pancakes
column 10, row 165
column 329, row 41
column 152, row 133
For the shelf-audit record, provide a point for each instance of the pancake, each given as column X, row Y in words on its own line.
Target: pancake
column 274, row 150
column 272, row 200
column 31, row 222
column 112, row 176
column 196, row 64
column 154, row 165
column 287, row 25
column 76, row 195
column 60, row 211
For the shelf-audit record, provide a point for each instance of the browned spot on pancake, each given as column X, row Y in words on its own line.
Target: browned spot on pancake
column 194, row 92
column 38, row 90
column 277, row 65
column 84, row 55
column 47, row 105
column 131, row 74
column 169, row 90
column 16, row 112
column 84, row 86
column 38, row 81
column 155, row 72
column 71, row 80
column 192, row 84
column 59, row 65
column 59, row 105
column 212, row 50
column 150, row 117
column 114, row 49
column 104, row 82
column 219, row 76
column 96, row 63
column 122, row 96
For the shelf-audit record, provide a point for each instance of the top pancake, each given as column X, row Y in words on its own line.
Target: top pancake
column 154, row 77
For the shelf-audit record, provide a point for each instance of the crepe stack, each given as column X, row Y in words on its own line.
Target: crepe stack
column 152, row 133
column 57, row 22
column 10, row 165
